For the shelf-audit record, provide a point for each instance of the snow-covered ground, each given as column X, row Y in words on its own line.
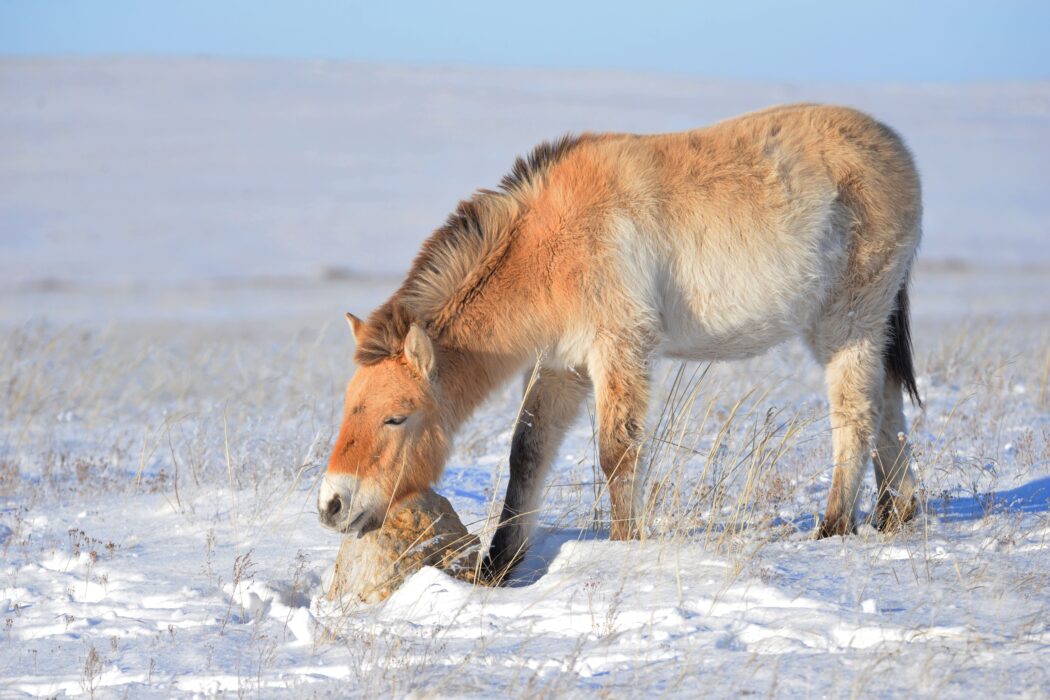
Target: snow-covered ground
column 179, row 239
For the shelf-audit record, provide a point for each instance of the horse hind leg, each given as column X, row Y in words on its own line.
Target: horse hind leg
column 854, row 377
column 894, row 477
column 867, row 353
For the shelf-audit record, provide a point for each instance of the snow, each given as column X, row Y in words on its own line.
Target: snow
column 180, row 239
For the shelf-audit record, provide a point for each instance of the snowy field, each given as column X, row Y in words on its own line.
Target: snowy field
column 178, row 241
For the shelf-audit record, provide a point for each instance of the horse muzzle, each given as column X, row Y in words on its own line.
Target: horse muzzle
column 343, row 506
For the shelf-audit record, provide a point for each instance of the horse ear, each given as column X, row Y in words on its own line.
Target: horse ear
column 356, row 325
column 419, row 351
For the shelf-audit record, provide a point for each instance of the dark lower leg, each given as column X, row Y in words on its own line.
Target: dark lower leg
column 547, row 412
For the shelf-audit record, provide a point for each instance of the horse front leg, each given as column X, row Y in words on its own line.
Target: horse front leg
column 621, row 382
column 548, row 410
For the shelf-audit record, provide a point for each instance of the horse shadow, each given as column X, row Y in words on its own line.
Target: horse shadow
column 1033, row 497
column 544, row 546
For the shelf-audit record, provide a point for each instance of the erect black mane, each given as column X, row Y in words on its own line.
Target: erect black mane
column 526, row 170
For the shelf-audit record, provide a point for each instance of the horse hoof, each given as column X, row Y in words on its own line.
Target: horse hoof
column 496, row 574
column 891, row 514
column 623, row 530
column 830, row 527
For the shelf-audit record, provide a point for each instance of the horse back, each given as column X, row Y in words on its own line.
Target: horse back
column 729, row 239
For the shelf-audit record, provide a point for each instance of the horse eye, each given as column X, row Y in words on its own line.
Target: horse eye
column 395, row 420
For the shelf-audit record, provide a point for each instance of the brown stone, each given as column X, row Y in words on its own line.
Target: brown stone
column 424, row 530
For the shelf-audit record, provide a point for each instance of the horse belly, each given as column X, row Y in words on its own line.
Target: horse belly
column 745, row 300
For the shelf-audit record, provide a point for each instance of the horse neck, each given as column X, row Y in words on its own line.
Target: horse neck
column 495, row 337
column 468, row 377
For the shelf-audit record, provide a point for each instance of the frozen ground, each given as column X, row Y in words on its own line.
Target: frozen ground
column 179, row 239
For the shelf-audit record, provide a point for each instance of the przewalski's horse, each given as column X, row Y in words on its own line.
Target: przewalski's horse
column 602, row 252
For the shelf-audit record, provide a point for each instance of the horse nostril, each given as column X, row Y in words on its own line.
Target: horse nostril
column 333, row 507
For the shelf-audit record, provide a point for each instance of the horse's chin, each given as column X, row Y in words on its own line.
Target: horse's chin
column 360, row 524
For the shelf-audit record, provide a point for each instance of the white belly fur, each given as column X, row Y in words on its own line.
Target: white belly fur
column 734, row 300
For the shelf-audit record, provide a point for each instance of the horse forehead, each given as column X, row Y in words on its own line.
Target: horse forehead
column 376, row 383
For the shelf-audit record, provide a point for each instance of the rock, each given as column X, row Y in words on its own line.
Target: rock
column 423, row 531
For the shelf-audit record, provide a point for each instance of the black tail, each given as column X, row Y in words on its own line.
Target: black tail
column 898, row 347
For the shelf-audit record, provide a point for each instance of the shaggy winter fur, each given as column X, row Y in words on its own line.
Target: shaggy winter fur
column 603, row 252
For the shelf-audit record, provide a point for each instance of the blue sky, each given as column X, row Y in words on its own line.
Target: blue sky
column 889, row 40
